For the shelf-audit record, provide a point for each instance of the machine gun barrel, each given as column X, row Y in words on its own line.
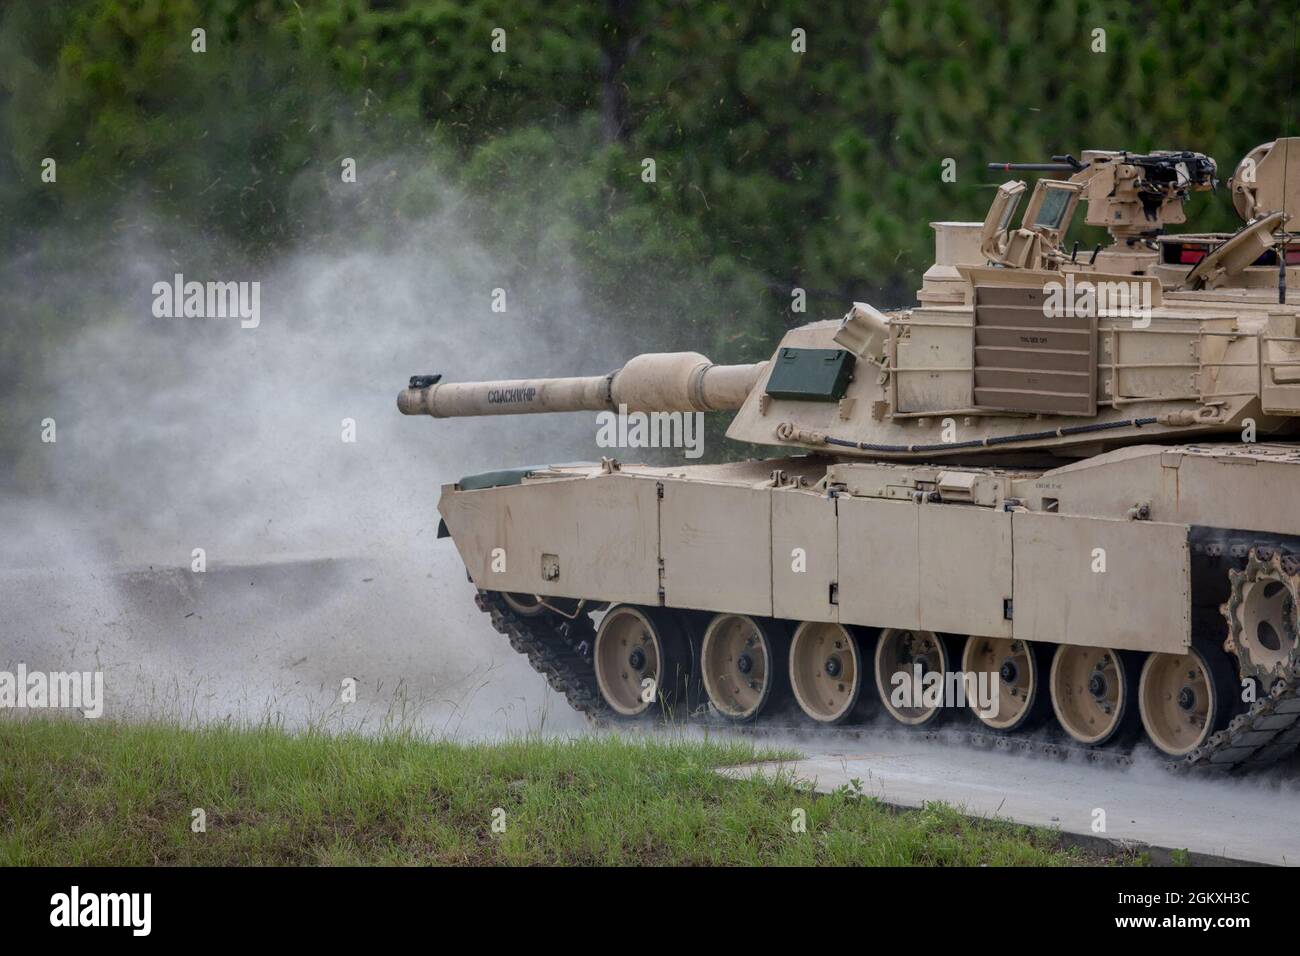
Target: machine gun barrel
column 1034, row 167
column 664, row 382
column 1059, row 164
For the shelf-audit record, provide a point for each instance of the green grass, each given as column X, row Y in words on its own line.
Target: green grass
column 95, row 792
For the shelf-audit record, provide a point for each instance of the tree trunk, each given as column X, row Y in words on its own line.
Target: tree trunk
column 615, row 49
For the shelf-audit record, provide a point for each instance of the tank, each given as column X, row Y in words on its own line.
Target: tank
column 1054, row 500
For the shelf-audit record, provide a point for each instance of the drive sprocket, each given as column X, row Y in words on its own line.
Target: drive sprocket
column 1262, row 617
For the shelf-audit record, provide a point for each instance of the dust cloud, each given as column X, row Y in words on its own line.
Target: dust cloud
column 322, row 564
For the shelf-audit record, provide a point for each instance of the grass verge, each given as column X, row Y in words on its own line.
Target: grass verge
column 101, row 793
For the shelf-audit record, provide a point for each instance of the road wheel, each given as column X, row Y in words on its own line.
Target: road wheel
column 1016, row 674
column 899, row 653
column 1183, row 699
column 525, row 605
column 1092, row 692
column 642, row 660
column 743, row 663
column 826, row 670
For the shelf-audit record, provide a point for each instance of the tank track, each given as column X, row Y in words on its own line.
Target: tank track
column 560, row 650
column 1268, row 732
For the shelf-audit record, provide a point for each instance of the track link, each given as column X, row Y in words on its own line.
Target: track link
column 854, row 734
column 560, row 650
column 1268, row 732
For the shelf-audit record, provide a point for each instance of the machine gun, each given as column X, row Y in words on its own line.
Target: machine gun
column 1133, row 195
column 1059, row 164
column 1179, row 170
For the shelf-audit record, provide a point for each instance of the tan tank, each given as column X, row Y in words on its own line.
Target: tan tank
column 1062, row 489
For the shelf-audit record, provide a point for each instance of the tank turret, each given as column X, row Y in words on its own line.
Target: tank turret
column 1015, row 345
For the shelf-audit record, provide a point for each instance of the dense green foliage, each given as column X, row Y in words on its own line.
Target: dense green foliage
column 96, row 793
column 775, row 169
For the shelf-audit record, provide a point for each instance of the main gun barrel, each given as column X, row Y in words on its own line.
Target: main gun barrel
column 657, row 381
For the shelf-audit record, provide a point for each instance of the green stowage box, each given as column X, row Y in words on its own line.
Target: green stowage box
column 811, row 375
column 495, row 479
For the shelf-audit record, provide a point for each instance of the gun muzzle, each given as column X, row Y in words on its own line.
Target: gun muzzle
column 662, row 382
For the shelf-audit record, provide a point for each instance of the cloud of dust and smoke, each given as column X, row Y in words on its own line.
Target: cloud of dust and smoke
column 183, row 433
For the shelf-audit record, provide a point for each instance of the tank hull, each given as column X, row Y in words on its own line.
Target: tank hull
column 1131, row 554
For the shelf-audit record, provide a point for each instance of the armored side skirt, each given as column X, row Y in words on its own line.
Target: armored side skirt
column 1025, row 564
